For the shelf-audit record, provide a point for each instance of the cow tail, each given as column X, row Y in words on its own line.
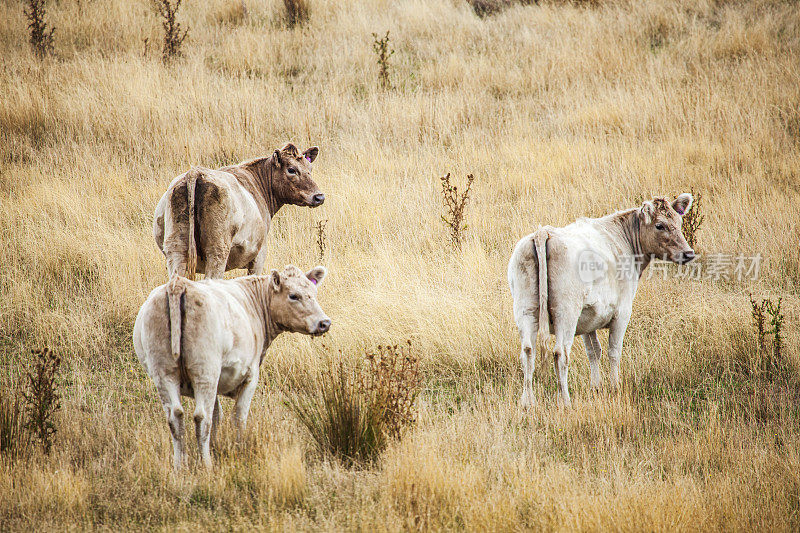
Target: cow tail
column 176, row 288
column 540, row 242
column 191, row 252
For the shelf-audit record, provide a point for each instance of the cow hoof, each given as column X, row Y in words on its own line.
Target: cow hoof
column 526, row 402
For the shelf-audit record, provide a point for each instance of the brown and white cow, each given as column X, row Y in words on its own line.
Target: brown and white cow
column 216, row 220
column 208, row 338
column 583, row 277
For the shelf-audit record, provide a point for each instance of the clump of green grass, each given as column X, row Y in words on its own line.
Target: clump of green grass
column 352, row 412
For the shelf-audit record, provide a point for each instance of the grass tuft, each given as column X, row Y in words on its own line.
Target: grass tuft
column 173, row 37
column 353, row 411
column 41, row 37
column 42, row 397
column 14, row 435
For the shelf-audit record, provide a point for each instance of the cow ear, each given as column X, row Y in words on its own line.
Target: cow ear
column 290, row 149
column 317, row 274
column 275, row 278
column 311, row 153
column 276, row 158
column 648, row 212
column 683, row 203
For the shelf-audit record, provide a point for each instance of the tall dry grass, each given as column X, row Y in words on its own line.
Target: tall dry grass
column 559, row 110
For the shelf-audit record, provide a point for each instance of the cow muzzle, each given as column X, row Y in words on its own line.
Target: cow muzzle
column 685, row 257
column 322, row 327
column 317, row 200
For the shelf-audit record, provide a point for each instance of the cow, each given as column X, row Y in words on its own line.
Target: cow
column 212, row 221
column 208, row 338
column 583, row 277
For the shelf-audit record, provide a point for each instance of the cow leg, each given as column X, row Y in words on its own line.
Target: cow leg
column 205, row 396
column 242, row 407
column 561, row 364
column 215, row 421
column 256, row 266
column 615, row 336
column 176, row 263
column 527, row 325
column 169, row 391
column 594, row 352
column 217, row 260
column 565, row 321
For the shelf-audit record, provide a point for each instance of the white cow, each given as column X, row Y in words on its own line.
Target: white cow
column 209, row 337
column 213, row 221
column 583, row 277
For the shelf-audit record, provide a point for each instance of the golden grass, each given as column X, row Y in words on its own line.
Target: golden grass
column 559, row 110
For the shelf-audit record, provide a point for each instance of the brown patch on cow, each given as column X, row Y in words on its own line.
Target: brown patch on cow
column 179, row 203
column 664, row 208
column 212, row 213
column 207, row 192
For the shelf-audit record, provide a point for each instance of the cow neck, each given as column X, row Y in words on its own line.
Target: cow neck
column 631, row 227
column 261, row 295
column 271, row 328
column 265, row 177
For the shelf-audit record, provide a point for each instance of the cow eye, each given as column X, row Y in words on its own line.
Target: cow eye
column 291, row 170
column 660, row 226
column 294, row 297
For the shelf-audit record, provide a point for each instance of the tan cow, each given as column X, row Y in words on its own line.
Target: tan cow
column 583, row 277
column 216, row 220
column 205, row 338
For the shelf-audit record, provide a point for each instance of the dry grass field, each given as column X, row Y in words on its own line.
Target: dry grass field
column 560, row 110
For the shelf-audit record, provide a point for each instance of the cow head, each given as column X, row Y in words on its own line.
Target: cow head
column 293, row 305
column 291, row 181
column 660, row 232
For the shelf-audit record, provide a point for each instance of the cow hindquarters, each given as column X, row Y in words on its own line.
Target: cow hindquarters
column 214, row 215
column 151, row 340
column 522, row 281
